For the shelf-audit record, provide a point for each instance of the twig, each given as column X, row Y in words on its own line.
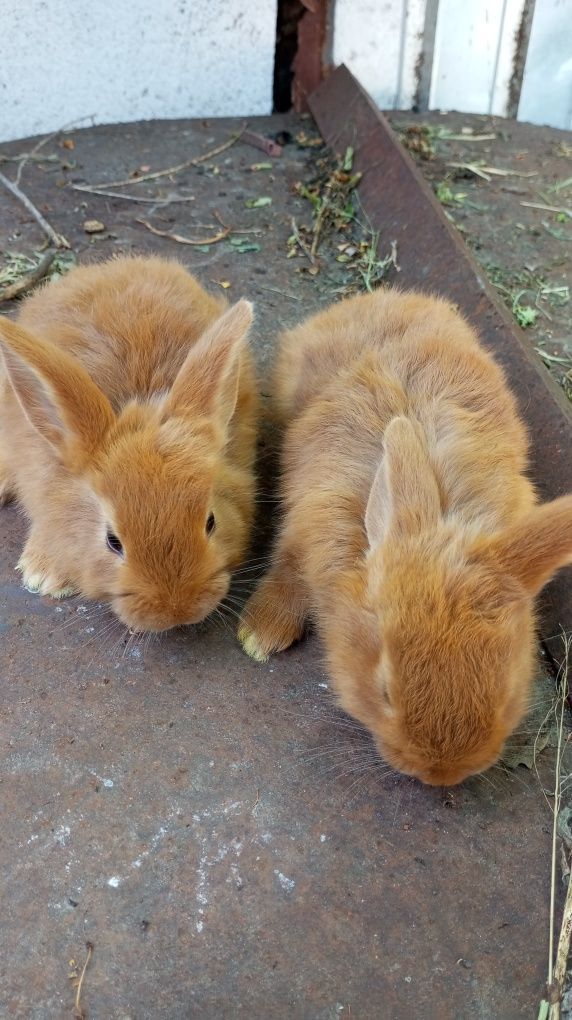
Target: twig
column 78, row 1011
column 27, row 281
column 32, row 154
column 57, row 239
column 52, row 158
column 485, row 171
column 186, row 240
column 556, row 975
column 196, row 161
column 465, row 138
column 549, row 208
column 324, row 207
column 276, row 290
column 300, row 242
column 88, row 189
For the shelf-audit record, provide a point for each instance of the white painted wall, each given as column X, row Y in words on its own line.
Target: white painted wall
column 124, row 60
column 380, row 41
column 473, row 55
column 546, row 96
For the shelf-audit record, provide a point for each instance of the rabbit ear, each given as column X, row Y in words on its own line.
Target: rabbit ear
column 535, row 548
column 404, row 497
column 54, row 391
column 207, row 382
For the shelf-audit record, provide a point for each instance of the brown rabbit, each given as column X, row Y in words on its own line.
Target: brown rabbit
column 411, row 534
column 127, row 433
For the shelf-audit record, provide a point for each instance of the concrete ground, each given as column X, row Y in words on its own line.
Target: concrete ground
column 203, row 821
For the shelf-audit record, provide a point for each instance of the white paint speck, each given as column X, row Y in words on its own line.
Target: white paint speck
column 114, row 881
column 407, row 979
column 153, row 844
column 108, row 783
column 213, row 851
column 286, row 883
column 323, row 686
column 231, row 809
column 236, row 877
column 62, row 835
column 323, row 838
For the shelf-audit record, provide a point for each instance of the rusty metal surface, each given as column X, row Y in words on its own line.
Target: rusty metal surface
column 202, row 820
column 309, row 62
column 433, row 257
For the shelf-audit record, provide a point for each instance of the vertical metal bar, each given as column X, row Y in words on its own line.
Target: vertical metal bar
column 425, row 63
column 522, row 39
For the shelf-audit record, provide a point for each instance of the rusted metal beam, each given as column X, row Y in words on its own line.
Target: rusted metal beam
column 433, row 257
column 309, row 66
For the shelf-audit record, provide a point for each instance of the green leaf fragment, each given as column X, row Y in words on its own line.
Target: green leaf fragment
column 524, row 315
column 258, row 203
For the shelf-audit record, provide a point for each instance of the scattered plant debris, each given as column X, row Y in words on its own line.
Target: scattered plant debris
column 549, row 1008
column 509, row 194
column 447, row 196
column 339, row 229
column 421, row 139
column 22, row 272
column 304, row 140
column 479, row 169
column 241, row 246
column 562, row 185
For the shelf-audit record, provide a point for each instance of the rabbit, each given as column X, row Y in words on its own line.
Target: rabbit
column 411, row 535
column 128, row 412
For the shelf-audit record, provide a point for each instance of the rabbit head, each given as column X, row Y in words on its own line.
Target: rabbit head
column 450, row 619
column 156, row 493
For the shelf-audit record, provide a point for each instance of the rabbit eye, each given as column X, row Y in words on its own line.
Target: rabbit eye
column 114, row 544
column 211, row 524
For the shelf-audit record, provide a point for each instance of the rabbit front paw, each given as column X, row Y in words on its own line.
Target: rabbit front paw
column 40, row 577
column 270, row 622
